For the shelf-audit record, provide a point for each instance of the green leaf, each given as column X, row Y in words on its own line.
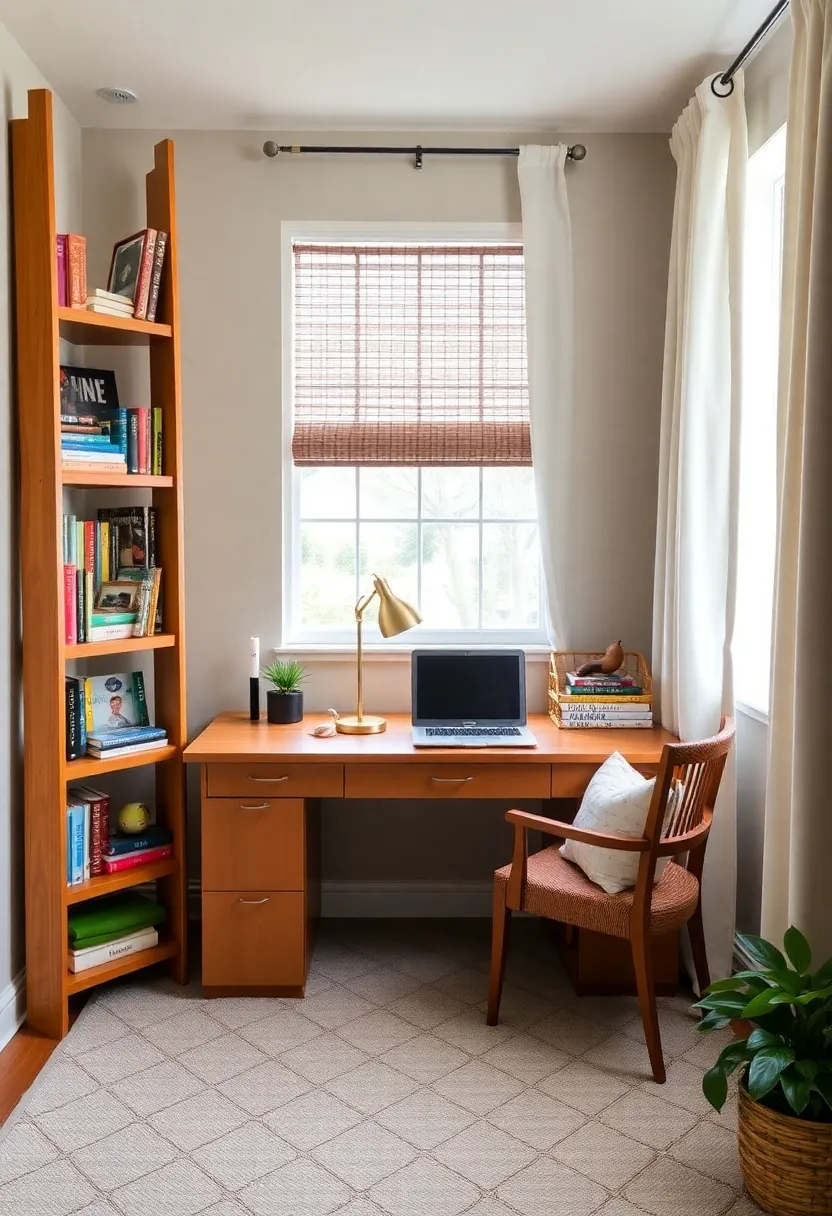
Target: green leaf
column 816, row 994
column 765, row 1069
column 760, row 1038
column 807, row 1068
column 798, row 950
column 789, row 981
column 823, row 1086
column 823, row 976
column 729, row 984
column 732, row 1056
column 713, row 1021
column 715, row 1087
column 761, row 951
column 729, row 1004
column 761, row 1003
column 797, row 1090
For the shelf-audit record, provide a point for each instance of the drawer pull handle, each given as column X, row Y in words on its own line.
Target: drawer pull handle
column 269, row 780
column 260, row 806
column 451, row 780
column 264, row 900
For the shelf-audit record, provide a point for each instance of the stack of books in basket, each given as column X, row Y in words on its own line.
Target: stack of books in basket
column 621, row 701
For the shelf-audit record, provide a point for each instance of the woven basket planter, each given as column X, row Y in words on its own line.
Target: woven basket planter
column 786, row 1162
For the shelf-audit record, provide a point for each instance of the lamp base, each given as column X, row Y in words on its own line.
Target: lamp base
column 367, row 724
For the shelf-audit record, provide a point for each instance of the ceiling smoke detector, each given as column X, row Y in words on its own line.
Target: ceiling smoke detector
column 117, row 97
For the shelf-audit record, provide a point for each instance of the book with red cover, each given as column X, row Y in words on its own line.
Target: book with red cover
column 70, row 607
column 99, row 804
column 143, row 436
column 156, row 278
column 145, row 275
column 60, row 241
column 76, row 277
column 141, row 857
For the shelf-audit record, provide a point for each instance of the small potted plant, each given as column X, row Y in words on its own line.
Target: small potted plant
column 785, row 1087
column 284, row 701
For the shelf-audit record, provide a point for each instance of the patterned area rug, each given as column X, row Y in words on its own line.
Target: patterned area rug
column 382, row 1094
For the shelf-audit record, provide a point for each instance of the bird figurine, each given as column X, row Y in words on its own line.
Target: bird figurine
column 609, row 662
column 325, row 730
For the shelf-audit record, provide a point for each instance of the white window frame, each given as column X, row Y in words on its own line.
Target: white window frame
column 330, row 641
column 763, row 268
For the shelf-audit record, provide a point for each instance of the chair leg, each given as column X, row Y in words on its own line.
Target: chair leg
column 501, row 917
column 645, row 985
column 696, row 933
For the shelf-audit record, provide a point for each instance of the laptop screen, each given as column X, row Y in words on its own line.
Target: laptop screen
column 460, row 686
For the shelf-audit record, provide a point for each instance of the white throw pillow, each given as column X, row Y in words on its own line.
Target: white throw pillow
column 616, row 801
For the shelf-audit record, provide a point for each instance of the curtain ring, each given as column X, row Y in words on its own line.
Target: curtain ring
column 729, row 85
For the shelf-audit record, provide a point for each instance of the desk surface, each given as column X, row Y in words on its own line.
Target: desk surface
column 232, row 737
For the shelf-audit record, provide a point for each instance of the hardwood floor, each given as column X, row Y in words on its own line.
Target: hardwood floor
column 20, row 1062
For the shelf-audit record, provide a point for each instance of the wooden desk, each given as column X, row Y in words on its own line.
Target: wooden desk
column 261, row 787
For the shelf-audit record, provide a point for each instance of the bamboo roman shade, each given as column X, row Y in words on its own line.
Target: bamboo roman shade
column 410, row 355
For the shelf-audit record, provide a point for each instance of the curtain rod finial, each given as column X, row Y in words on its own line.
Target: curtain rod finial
column 270, row 148
column 577, row 152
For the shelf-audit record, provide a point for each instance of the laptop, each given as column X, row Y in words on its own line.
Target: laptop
column 469, row 698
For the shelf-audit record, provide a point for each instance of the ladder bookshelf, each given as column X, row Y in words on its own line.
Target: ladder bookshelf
column 41, row 325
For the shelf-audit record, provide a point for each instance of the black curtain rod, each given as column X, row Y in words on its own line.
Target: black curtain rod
column 726, row 80
column 576, row 152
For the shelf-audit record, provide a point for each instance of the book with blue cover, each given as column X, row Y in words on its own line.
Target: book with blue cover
column 104, row 740
column 76, row 835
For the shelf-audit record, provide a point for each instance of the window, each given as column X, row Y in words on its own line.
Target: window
column 409, row 450
column 758, row 451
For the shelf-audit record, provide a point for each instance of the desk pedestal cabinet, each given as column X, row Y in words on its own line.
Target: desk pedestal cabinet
column 261, row 791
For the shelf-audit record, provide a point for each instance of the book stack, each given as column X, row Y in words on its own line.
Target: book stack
column 71, row 255
column 104, row 929
column 123, row 852
column 614, row 702
column 98, row 434
column 109, row 303
column 87, row 833
column 107, row 717
column 111, row 580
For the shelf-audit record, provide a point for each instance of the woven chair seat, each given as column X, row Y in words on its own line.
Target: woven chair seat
column 558, row 890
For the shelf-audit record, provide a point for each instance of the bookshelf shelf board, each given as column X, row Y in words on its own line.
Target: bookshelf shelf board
column 105, row 884
column 85, row 650
column 84, row 328
column 116, row 481
column 81, row 980
column 88, row 766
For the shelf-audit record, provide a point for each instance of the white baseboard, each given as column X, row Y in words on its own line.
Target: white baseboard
column 373, row 900
column 12, row 1007
column 405, row 899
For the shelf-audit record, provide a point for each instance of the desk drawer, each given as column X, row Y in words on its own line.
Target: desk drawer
column 275, row 781
column 253, row 939
column 251, row 844
column 432, row 779
column 571, row 780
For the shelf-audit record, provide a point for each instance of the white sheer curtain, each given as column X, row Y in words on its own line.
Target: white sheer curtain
column 695, row 580
column 547, row 248
column 798, row 833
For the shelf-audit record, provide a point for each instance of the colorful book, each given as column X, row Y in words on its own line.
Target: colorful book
column 156, row 442
column 155, row 835
column 615, row 725
column 115, row 702
column 72, row 709
column 109, row 917
column 76, row 260
column 145, row 275
column 132, row 748
column 94, row 956
column 60, row 241
column 99, row 808
column 106, row 740
column 76, row 818
column 156, row 276
column 143, row 857
column 112, row 618
column 70, row 605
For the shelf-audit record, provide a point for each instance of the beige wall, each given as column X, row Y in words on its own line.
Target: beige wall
column 17, row 75
column 231, row 201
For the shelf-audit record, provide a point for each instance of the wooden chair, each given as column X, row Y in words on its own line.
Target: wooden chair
column 545, row 884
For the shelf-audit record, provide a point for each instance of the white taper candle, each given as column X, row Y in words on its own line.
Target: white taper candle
column 254, row 656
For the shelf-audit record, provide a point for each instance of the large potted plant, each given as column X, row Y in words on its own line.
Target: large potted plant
column 284, row 700
column 785, row 1087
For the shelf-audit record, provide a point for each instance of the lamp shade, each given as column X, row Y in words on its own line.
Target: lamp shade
column 394, row 615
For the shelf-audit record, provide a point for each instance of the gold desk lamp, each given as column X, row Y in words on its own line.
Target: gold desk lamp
column 394, row 616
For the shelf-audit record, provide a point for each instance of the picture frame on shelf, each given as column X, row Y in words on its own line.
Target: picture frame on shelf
column 126, row 266
column 119, row 595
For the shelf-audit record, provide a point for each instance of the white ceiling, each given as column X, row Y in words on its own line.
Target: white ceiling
column 283, row 65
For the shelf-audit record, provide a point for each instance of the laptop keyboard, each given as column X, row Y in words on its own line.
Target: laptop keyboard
column 485, row 732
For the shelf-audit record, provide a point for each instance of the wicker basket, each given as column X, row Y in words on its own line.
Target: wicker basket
column 786, row 1162
column 561, row 662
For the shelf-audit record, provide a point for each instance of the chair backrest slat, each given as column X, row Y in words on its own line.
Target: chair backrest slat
column 693, row 770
